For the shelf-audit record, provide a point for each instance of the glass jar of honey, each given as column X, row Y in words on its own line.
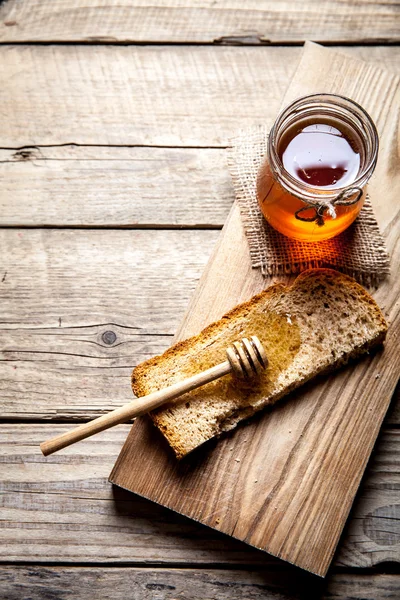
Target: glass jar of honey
column 322, row 150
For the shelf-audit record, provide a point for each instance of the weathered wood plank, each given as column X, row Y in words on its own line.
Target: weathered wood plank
column 168, row 96
column 86, row 583
column 112, row 186
column 251, row 22
column 134, row 95
column 61, row 508
column 374, row 523
column 79, row 308
column 71, row 372
column 73, row 278
column 119, row 186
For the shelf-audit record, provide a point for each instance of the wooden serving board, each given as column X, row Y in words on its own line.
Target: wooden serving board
column 285, row 481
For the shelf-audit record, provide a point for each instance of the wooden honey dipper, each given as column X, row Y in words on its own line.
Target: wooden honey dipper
column 245, row 359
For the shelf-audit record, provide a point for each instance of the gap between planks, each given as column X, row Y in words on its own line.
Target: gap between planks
column 227, row 41
column 166, row 96
column 135, row 227
column 265, row 21
column 220, row 584
column 47, row 181
column 68, row 497
column 383, row 568
column 74, row 331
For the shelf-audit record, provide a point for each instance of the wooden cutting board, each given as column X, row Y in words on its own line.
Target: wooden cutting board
column 284, row 482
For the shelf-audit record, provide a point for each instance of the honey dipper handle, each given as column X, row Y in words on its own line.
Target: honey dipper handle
column 135, row 408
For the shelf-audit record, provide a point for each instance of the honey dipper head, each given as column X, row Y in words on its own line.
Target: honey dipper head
column 247, row 357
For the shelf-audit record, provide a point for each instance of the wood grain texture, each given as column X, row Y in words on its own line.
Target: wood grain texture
column 72, row 189
column 91, row 277
column 370, row 524
column 62, row 509
column 120, row 186
column 165, row 96
column 253, row 22
column 137, row 408
column 289, row 481
column 79, row 308
column 188, row 584
column 63, row 351
column 114, row 187
column 71, row 506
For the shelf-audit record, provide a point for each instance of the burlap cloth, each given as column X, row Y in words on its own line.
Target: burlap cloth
column 359, row 251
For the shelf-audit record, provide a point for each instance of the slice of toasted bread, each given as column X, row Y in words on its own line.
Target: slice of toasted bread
column 319, row 323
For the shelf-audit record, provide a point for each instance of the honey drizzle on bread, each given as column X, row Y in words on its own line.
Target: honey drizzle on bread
column 320, row 322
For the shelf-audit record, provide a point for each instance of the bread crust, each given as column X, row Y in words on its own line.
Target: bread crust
column 276, row 293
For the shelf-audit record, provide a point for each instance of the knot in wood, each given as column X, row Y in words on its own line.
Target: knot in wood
column 109, row 337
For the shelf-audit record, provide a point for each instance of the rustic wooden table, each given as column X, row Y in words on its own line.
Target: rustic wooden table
column 114, row 186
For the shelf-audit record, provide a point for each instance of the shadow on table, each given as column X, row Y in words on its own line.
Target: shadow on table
column 185, row 543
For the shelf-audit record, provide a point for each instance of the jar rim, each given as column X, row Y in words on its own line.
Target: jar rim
column 363, row 124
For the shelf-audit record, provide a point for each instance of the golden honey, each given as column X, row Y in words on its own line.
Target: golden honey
column 321, row 152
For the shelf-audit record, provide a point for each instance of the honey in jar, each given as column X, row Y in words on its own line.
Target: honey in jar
column 322, row 150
